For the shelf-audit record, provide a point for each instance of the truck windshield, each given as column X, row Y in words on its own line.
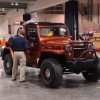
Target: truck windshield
column 46, row 32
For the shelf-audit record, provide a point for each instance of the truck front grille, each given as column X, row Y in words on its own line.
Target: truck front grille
column 78, row 50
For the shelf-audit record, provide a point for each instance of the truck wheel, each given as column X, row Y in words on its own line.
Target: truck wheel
column 92, row 74
column 51, row 73
column 8, row 63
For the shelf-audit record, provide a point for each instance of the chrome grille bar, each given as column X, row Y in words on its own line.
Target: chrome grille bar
column 78, row 50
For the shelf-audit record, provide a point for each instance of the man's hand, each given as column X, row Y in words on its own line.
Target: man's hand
column 27, row 52
column 32, row 45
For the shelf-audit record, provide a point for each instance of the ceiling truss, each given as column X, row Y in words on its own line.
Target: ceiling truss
column 6, row 4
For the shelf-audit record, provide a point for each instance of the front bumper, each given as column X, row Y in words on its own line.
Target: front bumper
column 80, row 65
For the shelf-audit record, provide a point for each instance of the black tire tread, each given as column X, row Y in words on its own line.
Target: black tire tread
column 8, row 72
column 95, row 76
column 57, row 72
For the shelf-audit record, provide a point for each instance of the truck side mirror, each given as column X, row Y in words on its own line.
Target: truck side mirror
column 31, row 34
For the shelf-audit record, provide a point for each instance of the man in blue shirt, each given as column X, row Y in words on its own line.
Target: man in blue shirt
column 19, row 45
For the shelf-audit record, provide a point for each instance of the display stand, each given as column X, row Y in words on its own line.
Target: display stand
column 96, row 41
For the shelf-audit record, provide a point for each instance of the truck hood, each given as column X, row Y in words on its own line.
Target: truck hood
column 63, row 42
column 59, row 42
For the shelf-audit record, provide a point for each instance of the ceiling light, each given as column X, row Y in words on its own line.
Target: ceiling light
column 12, row 3
column 16, row 4
column 3, row 9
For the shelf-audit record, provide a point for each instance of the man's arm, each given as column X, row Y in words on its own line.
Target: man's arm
column 26, row 46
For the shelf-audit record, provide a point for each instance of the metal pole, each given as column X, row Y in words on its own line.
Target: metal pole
column 75, row 27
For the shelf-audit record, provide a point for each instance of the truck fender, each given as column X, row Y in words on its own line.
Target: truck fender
column 7, row 50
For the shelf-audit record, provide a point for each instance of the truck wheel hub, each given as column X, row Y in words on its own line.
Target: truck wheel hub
column 7, row 64
column 47, row 73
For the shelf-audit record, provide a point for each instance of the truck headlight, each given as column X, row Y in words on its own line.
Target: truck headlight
column 69, row 47
column 90, row 46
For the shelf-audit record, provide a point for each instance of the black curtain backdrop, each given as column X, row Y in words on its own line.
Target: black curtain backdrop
column 71, row 17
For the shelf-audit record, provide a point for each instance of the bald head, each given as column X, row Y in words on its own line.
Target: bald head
column 21, row 32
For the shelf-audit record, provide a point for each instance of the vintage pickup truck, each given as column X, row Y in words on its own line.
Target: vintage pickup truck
column 55, row 53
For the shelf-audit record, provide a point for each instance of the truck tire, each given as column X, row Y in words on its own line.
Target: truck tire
column 8, row 63
column 92, row 74
column 51, row 73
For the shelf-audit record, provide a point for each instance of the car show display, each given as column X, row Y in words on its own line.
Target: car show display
column 55, row 54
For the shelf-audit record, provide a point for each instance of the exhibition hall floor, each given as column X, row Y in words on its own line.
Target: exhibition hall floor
column 73, row 87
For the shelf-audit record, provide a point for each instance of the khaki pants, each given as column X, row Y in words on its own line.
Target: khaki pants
column 19, row 57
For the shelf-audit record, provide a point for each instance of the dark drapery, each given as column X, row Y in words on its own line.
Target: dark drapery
column 71, row 17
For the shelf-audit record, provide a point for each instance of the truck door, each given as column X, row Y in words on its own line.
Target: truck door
column 32, row 55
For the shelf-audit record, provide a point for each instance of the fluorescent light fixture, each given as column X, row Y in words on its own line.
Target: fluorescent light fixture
column 16, row 23
column 16, row 4
column 12, row 3
column 3, row 9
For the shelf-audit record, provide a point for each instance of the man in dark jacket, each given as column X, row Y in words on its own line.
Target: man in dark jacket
column 19, row 46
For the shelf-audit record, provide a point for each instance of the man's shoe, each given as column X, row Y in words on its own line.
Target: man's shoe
column 14, row 79
column 22, row 81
